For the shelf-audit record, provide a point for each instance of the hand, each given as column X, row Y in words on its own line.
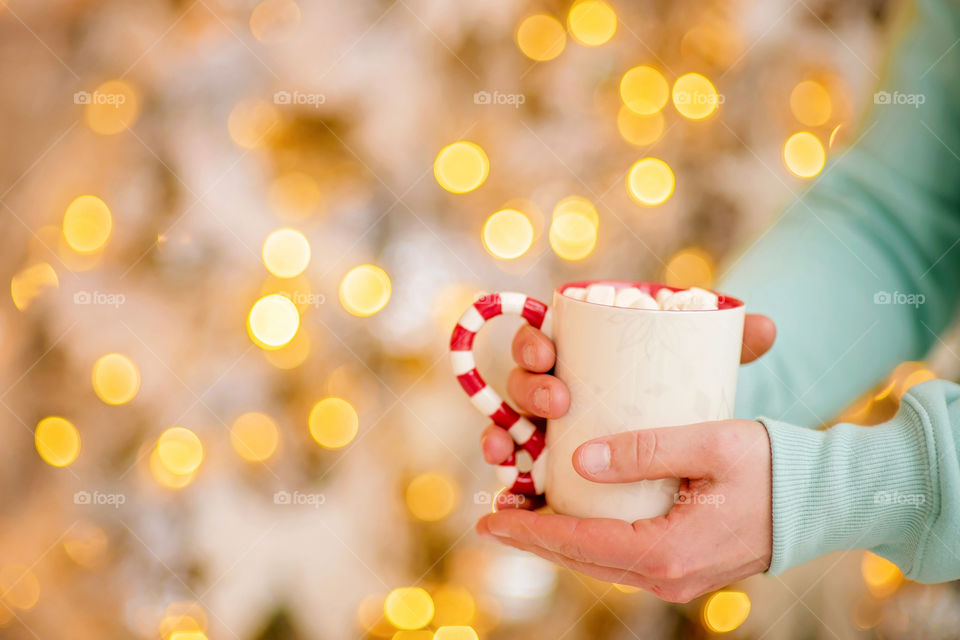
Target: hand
column 545, row 396
column 720, row 533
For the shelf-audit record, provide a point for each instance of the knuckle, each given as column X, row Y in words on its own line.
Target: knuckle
column 645, row 448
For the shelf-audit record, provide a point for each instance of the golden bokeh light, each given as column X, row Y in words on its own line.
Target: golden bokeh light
column 804, row 155
column 541, row 37
column 333, row 423
column 254, row 436
column 30, row 283
column 694, row 96
column 116, row 379
column 19, row 587
column 578, row 205
column 811, row 104
column 639, row 129
column 365, row 290
column 111, row 108
column 291, row 355
column 164, row 477
column 460, row 632
column 273, row 321
column 644, row 90
column 295, row 195
column 180, row 451
column 409, row 608
column 690, row 267
column 650, row 182
column 724, row 611
column 87, row 223
column 415, row 634
column 592, row 22
column 881, row 576
column 461, row 167
column 454, row 605
column 86, row 544
column 286, row 253
column 57, row 441
column 251, row 122
column 573, row 236
column 431, row 496
column 274, row 20
column 507, row 234
column 371, row 616
column 188, row 635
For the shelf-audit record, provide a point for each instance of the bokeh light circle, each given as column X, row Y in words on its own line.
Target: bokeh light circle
column 592, row 22
column 541, row 37
column 110, row 108
column 644, row 90
column 694, row 96
column 87, row 224
column 57, row 441
column 724, row 611
column 461, row 167
column 365, row 290
column 431, row 496
column 650, row 181
column 333, row 423
column 409, row 608
column 811, row 104
column 507, row 234
column 116, row 379
column 286, row 253
column 639, row 129
column 804, row 155
column 573, row 236
column 273, row 321
column 180, row 450
column 254, row 436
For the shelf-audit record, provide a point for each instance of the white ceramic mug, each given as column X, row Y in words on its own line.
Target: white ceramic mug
column 626, row 369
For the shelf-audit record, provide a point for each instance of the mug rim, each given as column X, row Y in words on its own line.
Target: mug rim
column 724, row 303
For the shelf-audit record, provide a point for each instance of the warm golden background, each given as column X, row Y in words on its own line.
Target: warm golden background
column 238, row 234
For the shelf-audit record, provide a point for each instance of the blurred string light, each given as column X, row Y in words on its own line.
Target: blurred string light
column 254, row 436
column 577, row 205
column 183, row 617
column 541, row 37
column 164, row 476
column 639, row 129
column 461, row 167
column 811, row 104
column 507, row 234
column 454, row 605
column 112, row 107
column 881, row 576
column 650, row 182
column 644, row 90
column 273, row 21
column 115, row 378
column 409, row 608
column 694, row 96
column 291, row 355
column 690, row 267
column 19, row 587
column 286, row 253
column 180, row 451
column 273, row 321
column 574, row 227
column 251, row 121
column 365, row 290
column 57, row 441
column 431, row 496
column 86, row 544
column 87, row 223
column 592, row 22
column 295, row 195
column 30, row 283
column 333, row 423
column 724, row 611
column 804, row 155
column 456, row 633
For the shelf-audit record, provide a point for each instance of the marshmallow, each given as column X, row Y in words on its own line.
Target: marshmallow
column 601, row 294
column 692, row 299
column 634, row 298
column 577, row 293
column 662, row 296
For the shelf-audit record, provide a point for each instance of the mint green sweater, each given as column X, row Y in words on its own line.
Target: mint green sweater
column 883, row 217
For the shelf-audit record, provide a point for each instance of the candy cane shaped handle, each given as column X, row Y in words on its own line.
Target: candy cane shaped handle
column 523, row 471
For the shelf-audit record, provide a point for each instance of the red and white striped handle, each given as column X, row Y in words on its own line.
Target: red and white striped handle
column 523, row 471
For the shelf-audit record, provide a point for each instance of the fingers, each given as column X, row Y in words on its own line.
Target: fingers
column 537, row 393
column 650, row 454
column 759, row 333
column 533, row 350
column 496, row 443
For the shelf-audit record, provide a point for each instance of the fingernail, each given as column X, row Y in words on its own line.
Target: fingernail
column 595, row 458
column 541, row 399
column 496, row 528
column 529, row 355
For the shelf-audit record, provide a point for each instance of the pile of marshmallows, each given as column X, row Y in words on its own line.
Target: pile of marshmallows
column 692, row 299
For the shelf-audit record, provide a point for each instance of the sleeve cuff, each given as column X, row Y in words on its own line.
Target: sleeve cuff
column 850, row 487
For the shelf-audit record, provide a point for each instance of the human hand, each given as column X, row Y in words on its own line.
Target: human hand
column 719, row 533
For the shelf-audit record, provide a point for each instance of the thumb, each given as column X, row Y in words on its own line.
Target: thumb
column 649, row 454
